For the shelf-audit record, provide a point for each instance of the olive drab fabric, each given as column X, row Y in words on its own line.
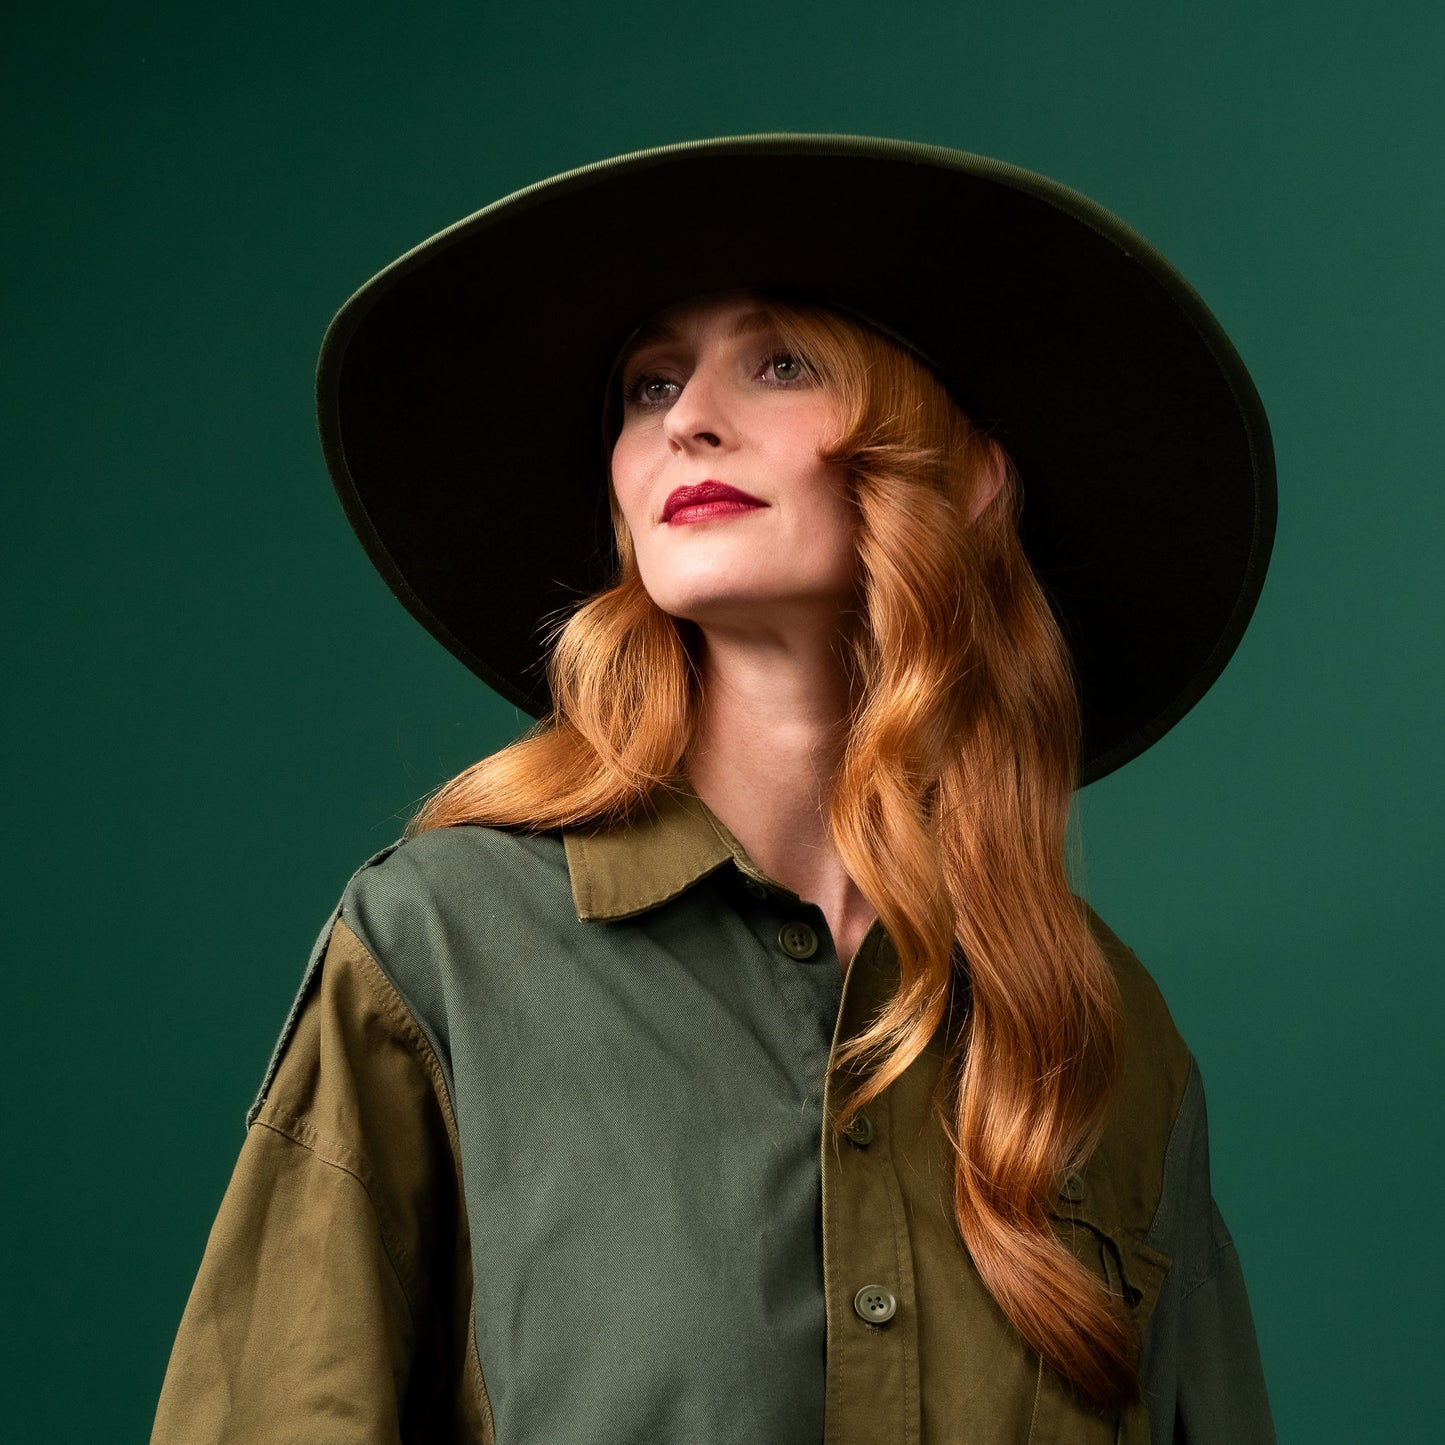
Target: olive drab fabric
column 543, row 1156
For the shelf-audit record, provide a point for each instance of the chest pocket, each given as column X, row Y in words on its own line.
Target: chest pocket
column 1087, row 1220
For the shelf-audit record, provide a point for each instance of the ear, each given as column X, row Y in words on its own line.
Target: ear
column 992, row 471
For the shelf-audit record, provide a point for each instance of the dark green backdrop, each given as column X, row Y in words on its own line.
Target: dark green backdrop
column 215, row 711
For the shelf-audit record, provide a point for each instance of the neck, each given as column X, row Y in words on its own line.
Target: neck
column 765, row 758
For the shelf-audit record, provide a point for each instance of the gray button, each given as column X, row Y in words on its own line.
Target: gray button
column 755, row 888
column 797, row 940
column 1073, row 1189
column 875, row 1304
column 859, row 1130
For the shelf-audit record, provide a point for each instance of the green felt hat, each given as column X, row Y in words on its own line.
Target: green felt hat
column 461, row 391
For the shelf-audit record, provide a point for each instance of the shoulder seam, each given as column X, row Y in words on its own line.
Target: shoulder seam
column 340, row 1155
column 1193, row 1086
column 395, row 1007
column 313, row 963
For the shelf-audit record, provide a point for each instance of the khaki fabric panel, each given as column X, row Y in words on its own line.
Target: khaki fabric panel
column 978, row 1369
column 1130, row 1156
column 334, row 1299
column 297, row 1327
column 981, row 1380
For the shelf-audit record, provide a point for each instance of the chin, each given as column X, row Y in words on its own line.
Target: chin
column 697, row 601
column 728, row 600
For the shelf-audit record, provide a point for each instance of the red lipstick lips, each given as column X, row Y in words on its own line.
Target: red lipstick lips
column 707, row 500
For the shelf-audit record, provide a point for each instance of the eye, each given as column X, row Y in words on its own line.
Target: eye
column 649, row 389
column 785, row 366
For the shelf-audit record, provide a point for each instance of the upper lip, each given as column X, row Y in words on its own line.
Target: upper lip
column 709, row 491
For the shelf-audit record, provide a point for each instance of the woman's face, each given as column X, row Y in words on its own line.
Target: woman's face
column 734, row 519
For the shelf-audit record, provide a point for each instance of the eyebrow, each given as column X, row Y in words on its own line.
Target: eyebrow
column 658, row 333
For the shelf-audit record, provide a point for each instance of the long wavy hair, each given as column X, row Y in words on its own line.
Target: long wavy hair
column 949, row 811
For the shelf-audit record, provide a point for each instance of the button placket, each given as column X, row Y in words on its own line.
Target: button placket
column 873, row 1330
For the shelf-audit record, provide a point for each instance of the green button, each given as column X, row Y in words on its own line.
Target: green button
column 797, row 940
column 1073, row 1189
column 755, row 888
column 859, row 1130
column 875, row 1304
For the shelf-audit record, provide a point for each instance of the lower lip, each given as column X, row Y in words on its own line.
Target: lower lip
column 710, row 511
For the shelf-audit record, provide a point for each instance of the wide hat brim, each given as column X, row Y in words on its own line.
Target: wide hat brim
column 461, row 391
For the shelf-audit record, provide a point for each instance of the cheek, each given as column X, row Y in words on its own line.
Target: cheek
column 837, row 532
column 628, row 483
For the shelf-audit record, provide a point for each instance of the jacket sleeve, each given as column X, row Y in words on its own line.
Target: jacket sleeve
column 1201, row 1370
column 333, row 1302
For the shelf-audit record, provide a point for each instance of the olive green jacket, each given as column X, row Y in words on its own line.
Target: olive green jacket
column 542, row 1157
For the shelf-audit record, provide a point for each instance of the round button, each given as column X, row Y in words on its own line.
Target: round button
column 859, row 1130
column 1073, row 1189
column 797, row 940
column 755, row 888
column 875, row 1304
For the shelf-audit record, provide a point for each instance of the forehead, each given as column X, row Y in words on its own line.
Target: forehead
column 732, row 313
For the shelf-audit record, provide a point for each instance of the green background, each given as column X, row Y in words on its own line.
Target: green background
column 214, row 710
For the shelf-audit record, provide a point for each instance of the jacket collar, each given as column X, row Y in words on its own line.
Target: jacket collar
column 627, row 869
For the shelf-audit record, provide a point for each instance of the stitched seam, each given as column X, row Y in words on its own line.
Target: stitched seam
column 395, row 1008
column 307, row 1137
column 1179, row 1141
column 477, row 1381
column 313, row 968
column 585, row 869
column 833, row 1422
column 1038, row 1390
column 391, row 1005
column 1212, row 1273
column 895, row 1210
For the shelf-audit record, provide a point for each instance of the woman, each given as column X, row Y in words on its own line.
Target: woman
column 728, row 1059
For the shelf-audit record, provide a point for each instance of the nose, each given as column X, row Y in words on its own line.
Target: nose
column 699, row 416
